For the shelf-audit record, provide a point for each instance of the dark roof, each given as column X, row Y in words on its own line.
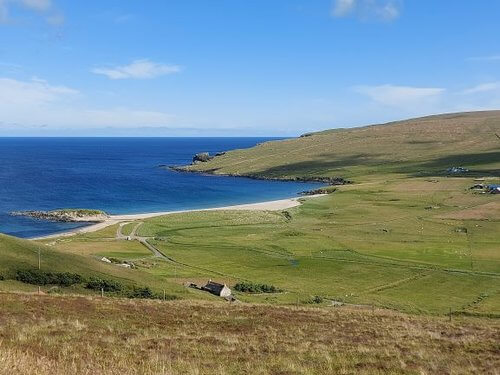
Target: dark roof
column 214, row 287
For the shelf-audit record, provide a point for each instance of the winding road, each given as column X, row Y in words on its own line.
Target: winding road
column 142, row 240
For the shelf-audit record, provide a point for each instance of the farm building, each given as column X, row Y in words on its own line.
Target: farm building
column 221, row 290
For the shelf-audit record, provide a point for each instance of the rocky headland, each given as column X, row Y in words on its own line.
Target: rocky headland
column 66, row 215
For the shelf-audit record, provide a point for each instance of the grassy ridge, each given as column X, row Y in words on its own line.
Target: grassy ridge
column 112, row 336
column 413, row 147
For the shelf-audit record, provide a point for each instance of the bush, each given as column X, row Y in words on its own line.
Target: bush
column 142, row 292
column 2, row 277
column 37, row 277
column 248, row 287
column 96, row 283
column 315, row 300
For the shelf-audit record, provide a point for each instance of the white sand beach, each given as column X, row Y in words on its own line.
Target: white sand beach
column 275, row 205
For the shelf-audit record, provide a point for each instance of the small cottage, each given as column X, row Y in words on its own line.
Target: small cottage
column 221, row 290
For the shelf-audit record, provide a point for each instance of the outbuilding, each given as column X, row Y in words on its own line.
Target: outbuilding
column 221, row 290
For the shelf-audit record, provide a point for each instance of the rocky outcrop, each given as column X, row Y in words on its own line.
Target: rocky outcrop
column 324, row 190
column 69, row 215
column 202, row 157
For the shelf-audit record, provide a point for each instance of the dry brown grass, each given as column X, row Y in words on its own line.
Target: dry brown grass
column 79, row 335
column 487, row 211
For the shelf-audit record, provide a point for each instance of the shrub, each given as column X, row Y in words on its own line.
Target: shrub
column 248, row 287
column 141, row 292
column 37, row 277
column 2, row 277
column 96, row 283
column 67, row 279
column 315, row 300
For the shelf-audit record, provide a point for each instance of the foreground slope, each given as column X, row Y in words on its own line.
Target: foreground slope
column 60, row 335
column 422, row 146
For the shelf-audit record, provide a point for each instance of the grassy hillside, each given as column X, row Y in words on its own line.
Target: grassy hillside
column 18, row 254
column 423, row 146
column 60, row 335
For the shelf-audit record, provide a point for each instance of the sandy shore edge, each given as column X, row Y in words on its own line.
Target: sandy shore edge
column 276, row 205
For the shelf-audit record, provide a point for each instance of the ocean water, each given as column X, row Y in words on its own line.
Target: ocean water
column 118, row 175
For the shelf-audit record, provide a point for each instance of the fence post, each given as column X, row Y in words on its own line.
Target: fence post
column 450, row 314
column 102, row 292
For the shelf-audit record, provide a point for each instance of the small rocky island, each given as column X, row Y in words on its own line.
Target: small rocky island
column 66, row 215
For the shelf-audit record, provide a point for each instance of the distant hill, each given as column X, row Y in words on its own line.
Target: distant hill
column 421, row 146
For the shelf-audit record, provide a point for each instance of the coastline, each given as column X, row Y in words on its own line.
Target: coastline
column 275, row 205
column 331, row 181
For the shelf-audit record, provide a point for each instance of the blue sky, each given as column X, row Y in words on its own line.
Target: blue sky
column 240, row 67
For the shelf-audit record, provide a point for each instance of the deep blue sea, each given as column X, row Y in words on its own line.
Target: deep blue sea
column 118, row 175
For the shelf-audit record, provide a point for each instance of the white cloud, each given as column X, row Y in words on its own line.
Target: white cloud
column 39, row 5
column 388, row 11
column 400, row 96
column 36, row 103
column 35, row 92
column 483, row 87
column 138, row 69
column 385, row 10
column 342, row 8
column 44, row 7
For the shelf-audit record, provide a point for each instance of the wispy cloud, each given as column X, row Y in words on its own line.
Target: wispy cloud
column 59, row 105
column 483, row 87
column 342, row 8
column 138, row 69
column 485, row 58
column 44, row 7
column 385, row 10
column 39, row 5
column 31, row 93
column 400, row 96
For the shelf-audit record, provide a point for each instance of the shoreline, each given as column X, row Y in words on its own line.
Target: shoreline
column 331, row 181
column 275, row 205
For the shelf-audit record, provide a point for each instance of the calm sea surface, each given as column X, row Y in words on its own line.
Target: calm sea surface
column 117, row 175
